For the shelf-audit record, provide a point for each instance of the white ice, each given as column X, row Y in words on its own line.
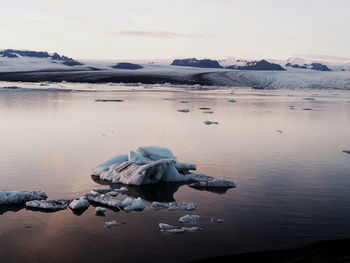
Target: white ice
column 106, row 200
column 214, row 183
column 182, row 206
column 20, row 197
column 79, row 204
column 100, row 210
column 231, row 100
column 184, row 110
column 159, row 206
column 130, row 204
column 155, row 153
column 166, row 228
column 189, row 219
column 113, row 224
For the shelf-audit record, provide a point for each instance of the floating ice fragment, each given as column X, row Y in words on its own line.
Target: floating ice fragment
column 204, row 108
column 231, row 100
column 184, row 101
column 307, row 109
column 168, row 99
column 133, row 204
column 49, row 205
column 20, row 197
column 115, row 192
column 191, row 229
column 218, row 220
column 309, row 99
column 159, row 206
column 189, row 219
column 213, row 183
column 182, row 206
column 279, row 131
column 113, row 224
column 208, row 112
column 108, row 100
column 100, row 211
column 347, row 151
column 163, row 226
column 79, row 204
column 210, row 122
column 184, row 168
column 105, row 200
column 107, row 165
column 166, row 228
column 101, row 191
column 184, row 110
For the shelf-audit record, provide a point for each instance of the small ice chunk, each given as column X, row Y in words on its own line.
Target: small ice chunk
column 184, row 101
column 108, row 100
column 208, row 112
column 204, row 108
column 50, row 205
column 20, row 197
column 231, row 100
column 155, row 153
column 210, row 122
column 346, row 151
column 113, row 224
column 183, row 110
column 106, row 200
column 182, row 206
column 214, row 183
column 79, row 204
column 122, row 190
column 307, row 109
column 133, row 204
column 101, row 191
column 159, row 206
column 189, row 219
column 100, row 211
column 279, row 131
column 163, row 226
column 218, row 220
column 168, row 99
column 309, row 99
column 174, row 231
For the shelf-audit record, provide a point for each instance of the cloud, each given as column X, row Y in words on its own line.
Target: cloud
column 155, row 34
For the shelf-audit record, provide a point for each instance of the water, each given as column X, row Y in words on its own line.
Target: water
column 292, row 188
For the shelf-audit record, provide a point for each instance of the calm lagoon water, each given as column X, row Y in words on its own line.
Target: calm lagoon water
column 292, row 187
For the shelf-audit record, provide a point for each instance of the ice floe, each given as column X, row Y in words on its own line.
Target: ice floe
column 189, row 219
column 104, row 199
column 159, row 206
column 214, row 183
column 113, row 224
column 166, row 228
column 231, row 100
column 179, row 206
column 20, row 197
column 216, row 220
column 49, row 205
column 79, row 204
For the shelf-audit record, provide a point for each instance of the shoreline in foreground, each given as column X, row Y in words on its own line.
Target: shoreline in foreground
column 326, row 251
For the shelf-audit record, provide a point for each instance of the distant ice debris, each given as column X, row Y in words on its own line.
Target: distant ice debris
column 175, row 206
column 346, row 151
column 307, row 109
column 279, row 131
column 79, row 204
column 49, row 205
column 100, row 211
column 20, row 197
column 130, row 204
column 148, row 165
column 211, row 122
column 109, row 100
column 204, row 108
column 213, row 183
column 184, row 101
column 168, row 99
column 113, row 224
column 184, row 110
column 189, row 219
column 309, row 99
column 208, row 112
column 231, row 100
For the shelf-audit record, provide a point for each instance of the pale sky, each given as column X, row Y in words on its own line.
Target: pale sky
column 145, row 29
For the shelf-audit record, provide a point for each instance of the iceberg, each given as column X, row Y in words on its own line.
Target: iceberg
column 49, row 205
column 133, row 204
column 189, row 219
column 105, row 200
column 213, row 183
column 79, row 204
column 20, row 197
column 148, row 165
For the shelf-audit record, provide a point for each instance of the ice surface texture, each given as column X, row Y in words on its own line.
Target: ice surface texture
column 20, row 197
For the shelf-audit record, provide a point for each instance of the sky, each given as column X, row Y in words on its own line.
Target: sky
column 146, row 29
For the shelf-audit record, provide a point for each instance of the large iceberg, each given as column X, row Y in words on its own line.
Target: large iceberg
column 20, row 197
column 148, row 165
